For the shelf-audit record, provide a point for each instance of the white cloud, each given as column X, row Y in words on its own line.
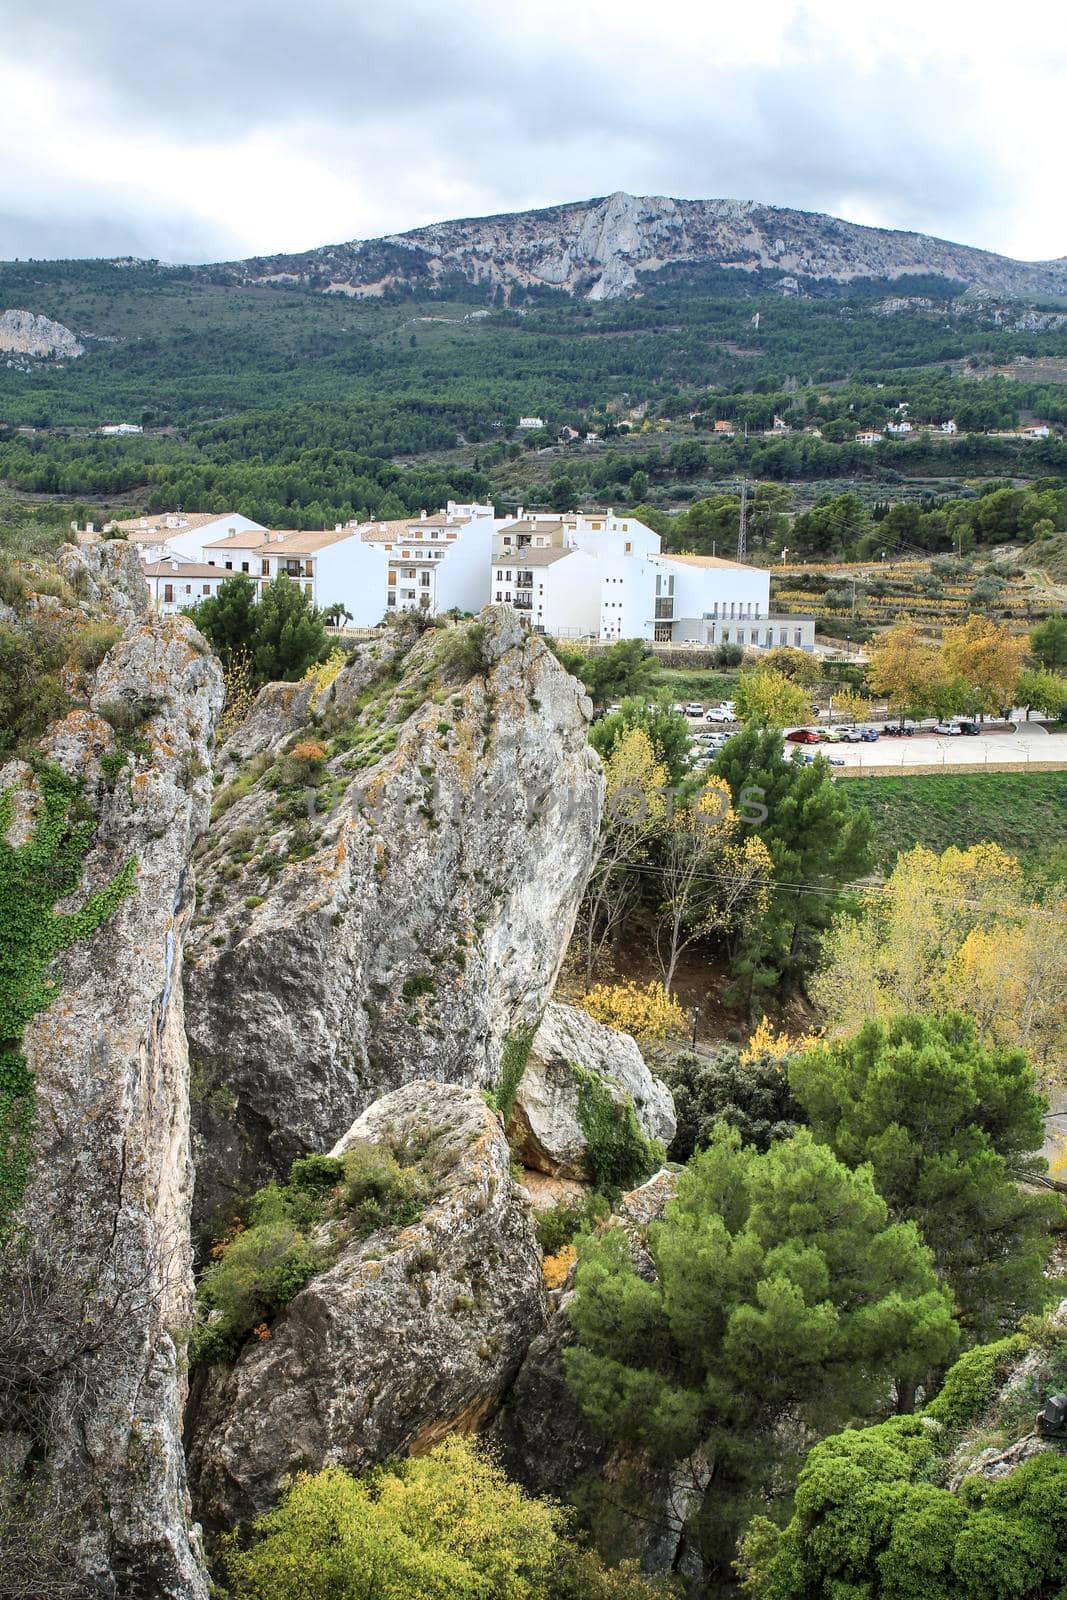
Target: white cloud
column 206, row 131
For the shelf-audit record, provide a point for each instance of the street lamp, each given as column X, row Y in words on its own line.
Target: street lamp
column 696, row 1019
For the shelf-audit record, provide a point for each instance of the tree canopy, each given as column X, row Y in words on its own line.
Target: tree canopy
column 782, row 1290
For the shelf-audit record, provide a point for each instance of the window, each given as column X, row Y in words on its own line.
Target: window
column 499, row 595
column 229, row 566
column 264, row 567
column 507, row 539
column 796, row 636
column 207, row 588
column 390, row 597
column 409, row 572
column 188, row 588
column 168, row 593
column 628, row 547
column 392, row 578
column 507, row 577
column 244, row 566
column 424, row 579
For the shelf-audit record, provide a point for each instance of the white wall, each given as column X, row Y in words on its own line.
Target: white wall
column 462, row 576
column 353, row 574
column 566, row 596
column 627, row 597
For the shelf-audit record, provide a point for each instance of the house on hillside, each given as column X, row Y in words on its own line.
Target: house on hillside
column 903, row 426
column 531, row 422
column 950, row 426
column 182, row 535
column 868, row 437
column 175, row 585
column 723, row 429
column 436, row 563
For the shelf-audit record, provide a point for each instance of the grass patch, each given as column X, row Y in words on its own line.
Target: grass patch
column 1023, row 812
column 685, row 684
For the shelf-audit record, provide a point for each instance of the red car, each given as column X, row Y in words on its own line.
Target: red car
column 802, row 736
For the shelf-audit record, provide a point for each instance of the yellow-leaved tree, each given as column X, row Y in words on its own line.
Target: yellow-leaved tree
column 713, row 875
column 635, row 814
column 907, row 669
column 645, row 1010
column 985, row 656
column 769, row 697
column 956, row 931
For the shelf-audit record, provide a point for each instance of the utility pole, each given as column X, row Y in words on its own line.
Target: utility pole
column 742, row 523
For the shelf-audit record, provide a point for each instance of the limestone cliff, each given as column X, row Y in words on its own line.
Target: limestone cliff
column 98, row 1273
column 413, row 1332
column 23, row 333
column 416, row 918
column 604, row 248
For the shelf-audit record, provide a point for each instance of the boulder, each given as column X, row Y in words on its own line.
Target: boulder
column 544, row 1126
column 91, row 1385
column 413, row 1332
column 413, row 921
column 107, row 576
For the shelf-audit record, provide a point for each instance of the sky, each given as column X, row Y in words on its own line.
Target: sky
column 217, row 129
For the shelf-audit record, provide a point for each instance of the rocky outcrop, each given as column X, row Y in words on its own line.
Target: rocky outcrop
column 547, row 1444
column 23, row 333
column 545, row 1125
column 102, row 1273
column 413, row 920
column 107, row 576
column 605, row 248
column 412, row 1333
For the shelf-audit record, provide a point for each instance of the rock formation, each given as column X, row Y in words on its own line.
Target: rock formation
column 545, row 1125
column 413, row 1332
column 605, row 248
column 99, row 1269
column 414, row 920
column 22, row 333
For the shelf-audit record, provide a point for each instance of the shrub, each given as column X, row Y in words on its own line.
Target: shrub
column 971, row 1384
column 649, row 1013
column 753, row 1096
column 513, row 1058
column 554, row 1268
column 256, row 1275
column 618, row 1156
column 560, row 1225
column 461, row 651
column 92, row 643
column 31, row 693
column 378, row 1192
column 446, row 1524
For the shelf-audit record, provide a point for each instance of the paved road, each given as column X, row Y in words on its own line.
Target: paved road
column 937, row 750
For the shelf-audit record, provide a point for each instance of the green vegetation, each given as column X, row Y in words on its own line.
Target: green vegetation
column 782, row 1289
column 34, row 876
column 1021, row 811
column 514, row 1055
column 818, row 840
column 947, row 1130
column 445, row 1526
column 618, row 1156
column 273, row 1249
column 880, row 1512
column 752, row 1096
column 667, row 730
column 282, row 635
column 561, row 1224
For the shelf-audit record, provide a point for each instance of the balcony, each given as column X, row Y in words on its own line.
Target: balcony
column 523, row 602
column 524, row 580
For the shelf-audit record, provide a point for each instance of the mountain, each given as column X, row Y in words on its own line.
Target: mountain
column 606, row 248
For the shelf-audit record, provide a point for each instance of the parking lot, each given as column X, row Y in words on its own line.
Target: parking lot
column 1025, row 743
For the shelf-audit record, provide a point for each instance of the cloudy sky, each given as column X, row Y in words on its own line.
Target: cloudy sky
column 221, row 128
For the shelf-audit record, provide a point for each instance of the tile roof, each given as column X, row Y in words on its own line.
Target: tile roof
column 183, row 569
column 157, row 522
column 531, row 558
column 247, row 539
column 703, row 561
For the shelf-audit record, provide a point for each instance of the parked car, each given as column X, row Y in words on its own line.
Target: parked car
column 615, row 707
column 972, row 728
column 719, row 714
column 803, row 736
column 694, row 709
column 678, row 709
column 894, row 730
column 951, row 729
column 837, row 761
column 835, row 735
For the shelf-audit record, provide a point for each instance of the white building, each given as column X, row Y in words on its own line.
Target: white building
column 598, row 575
column 903, row 426
column 950, row 426
column 181, row 534
column 121, row 427
column 334, row 566
column 175, row 584
column 436, row 563
column 531, row 422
